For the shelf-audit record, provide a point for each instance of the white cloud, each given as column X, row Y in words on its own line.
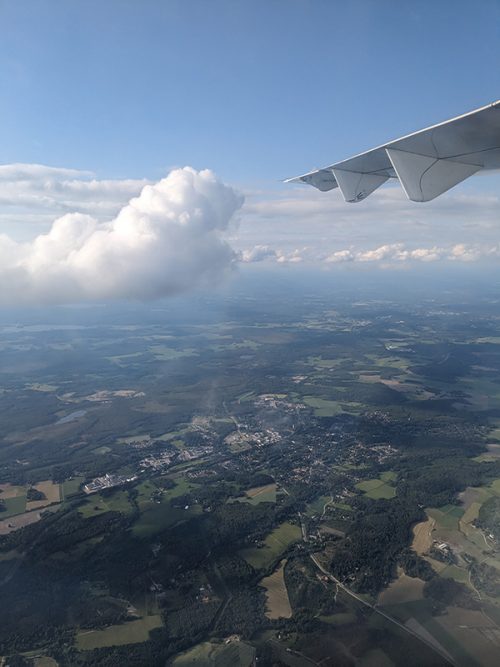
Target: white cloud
column 292, row 216
column 32, row 195
column 164, row 241
column 261, row 253
column 384, row 255
column 257, row 254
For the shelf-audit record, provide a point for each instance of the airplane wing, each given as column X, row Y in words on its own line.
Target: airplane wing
column 426, row 163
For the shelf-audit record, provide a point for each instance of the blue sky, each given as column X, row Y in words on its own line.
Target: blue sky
column 100, row 98
column 255, row 90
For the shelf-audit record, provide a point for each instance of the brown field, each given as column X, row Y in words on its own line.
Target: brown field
column 132, row 632
column 278, row 604
column 258, row 490
column 10, row 491
column 471, row 514
column 19, row 521
column 403, row 589
column 422, row 536
column 52, row 492
column 328, row 530
column 44, row 661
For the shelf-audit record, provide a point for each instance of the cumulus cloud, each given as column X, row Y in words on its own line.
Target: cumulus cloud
column 164, row 241
column 261, row 253
column 384, row 255
column 258, row 253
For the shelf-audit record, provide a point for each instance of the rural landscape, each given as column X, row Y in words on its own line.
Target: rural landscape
column 311, row 477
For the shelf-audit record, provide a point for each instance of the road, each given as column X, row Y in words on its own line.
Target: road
column 378, row 611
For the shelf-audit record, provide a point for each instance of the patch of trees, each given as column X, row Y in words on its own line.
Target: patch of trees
column 366, row 558
column 489, row 517
column 28, row 536
column 486, row 579
column 210, row 495
column 60, row 532
column 27, row 596
column 445, row 592
column 191, row 621
column 437, row 483
column 35, row 494
column 98, row 612
column 235, row 571
column 243, row 614
column 305, row 591
column 415, row 566
column 74, row 529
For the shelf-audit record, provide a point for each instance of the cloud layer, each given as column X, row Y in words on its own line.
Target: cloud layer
column 33, row 195
column 384, row 255
column 164, row 241
column 293, row 217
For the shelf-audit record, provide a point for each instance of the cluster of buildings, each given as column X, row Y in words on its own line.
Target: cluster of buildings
column 106, row 482
column 156, row 462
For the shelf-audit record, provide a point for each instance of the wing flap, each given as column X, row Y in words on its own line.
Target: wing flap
column 356, row 186
column 424, row 178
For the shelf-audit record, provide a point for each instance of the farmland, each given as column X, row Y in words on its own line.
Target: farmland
column 132, row 632
column 273, row 546
column 378, row 488
column 278, row 604
column 260, row 494
column 229, row 654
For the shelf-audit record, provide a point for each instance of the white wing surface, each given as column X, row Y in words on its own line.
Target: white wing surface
column 426, row 163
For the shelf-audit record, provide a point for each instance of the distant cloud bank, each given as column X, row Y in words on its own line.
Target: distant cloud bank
column 166, row 240
column 384, row 255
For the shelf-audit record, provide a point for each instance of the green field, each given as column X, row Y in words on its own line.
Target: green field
column 323, row 407
column 233, row 654
column 13, row 506
column 317, row 505
column 446, row 516
column 274, row 545
column 343, row 618
column 258, row 494
column 122, row 359
column 378, row 488
column 101, row 450
column 342, row 506
column 97, row 503
column 162, row 516
column 71, row 487
column 132, row 632
column 319, row 362
column 158, row 516
column 246, row 396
